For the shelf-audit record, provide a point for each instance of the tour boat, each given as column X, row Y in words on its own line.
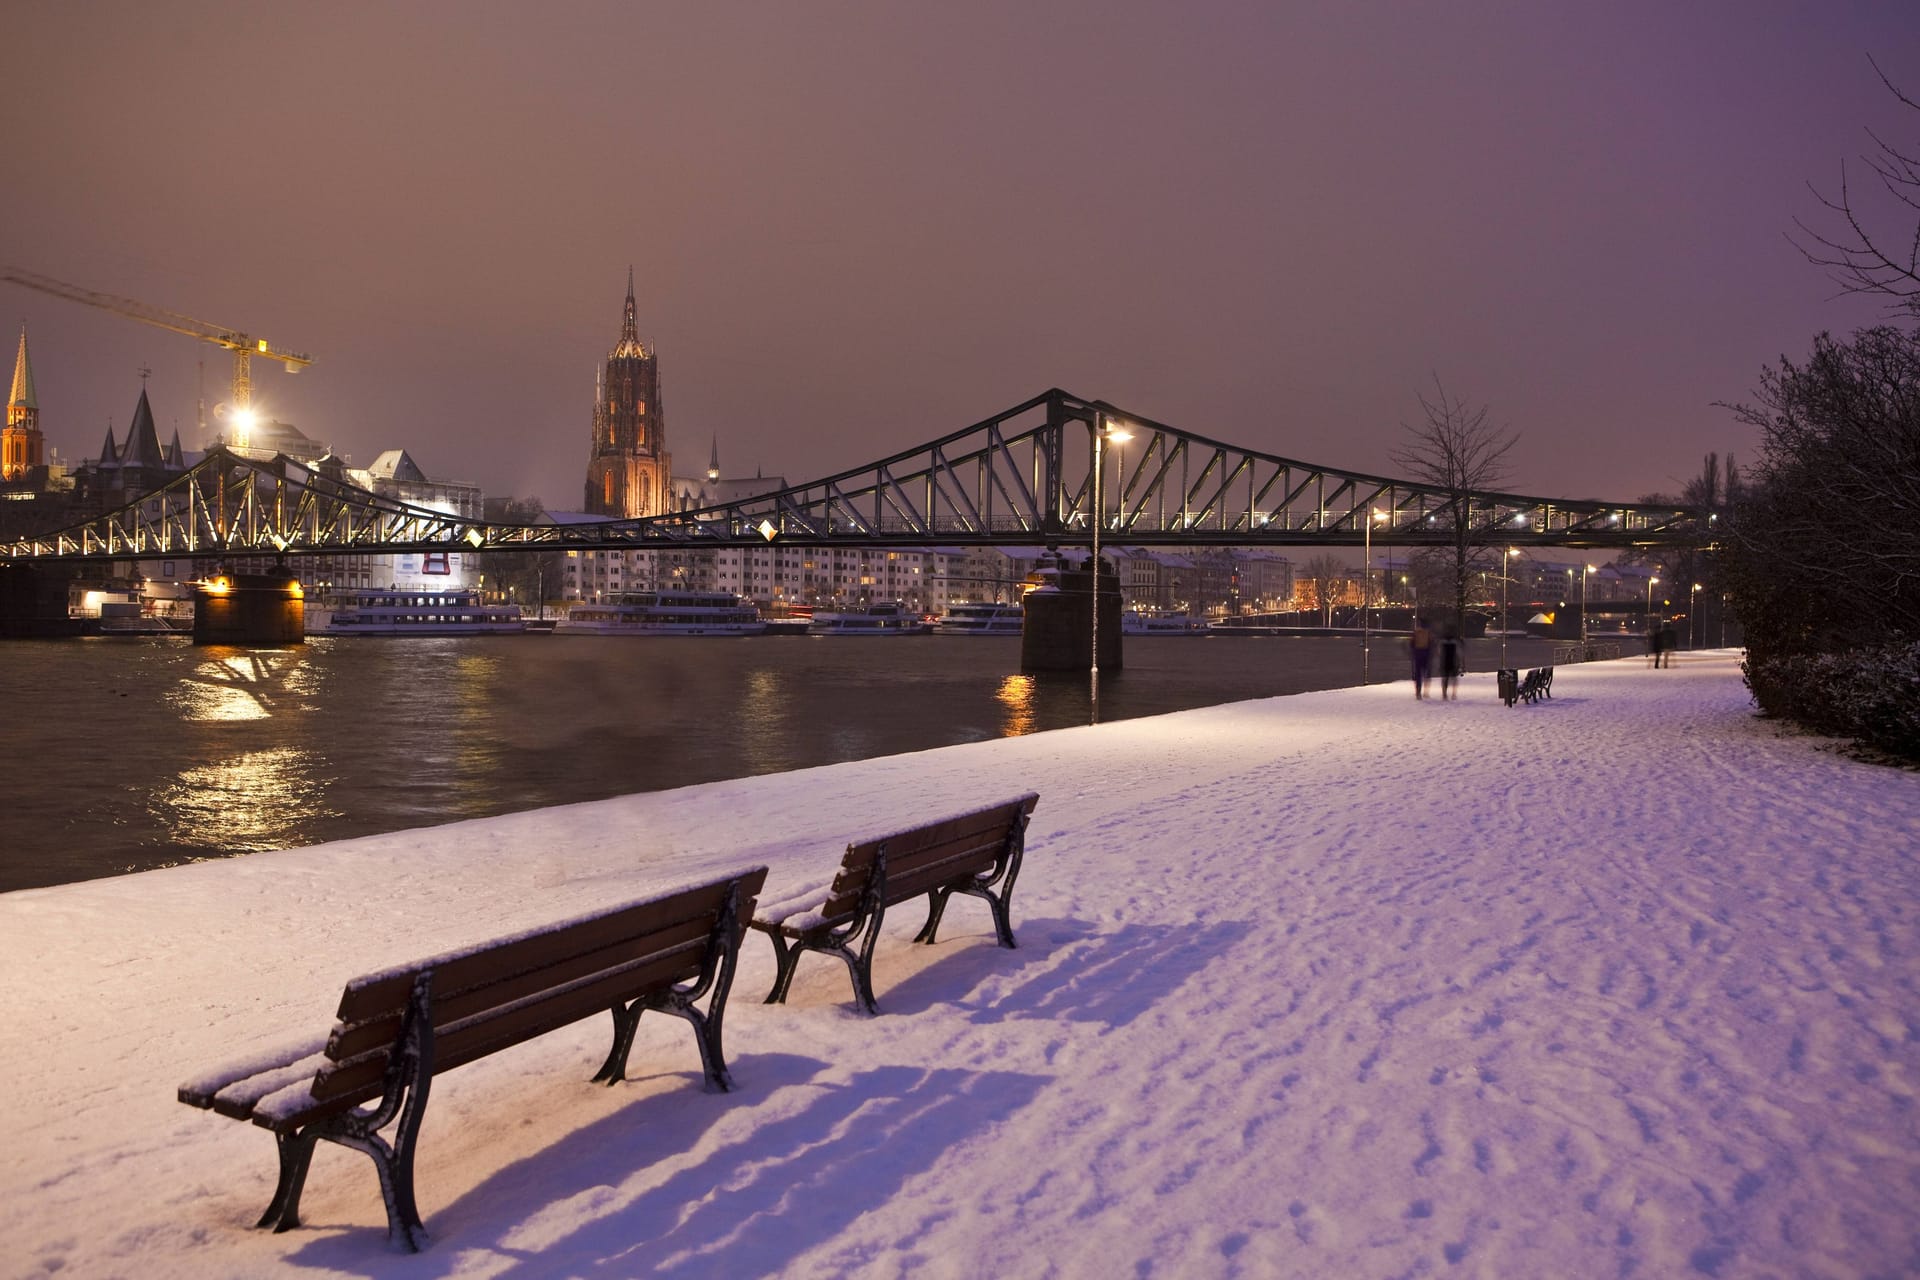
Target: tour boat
column 970, row 618
column 870, row 620
column 1133, row 623
column 667, row 612
column 397, row 611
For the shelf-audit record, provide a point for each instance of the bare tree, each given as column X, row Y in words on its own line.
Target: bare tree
column 1456, row 449
column 1822, row 556
column 530, row 576
column 1321, row 573
column 1860, row 259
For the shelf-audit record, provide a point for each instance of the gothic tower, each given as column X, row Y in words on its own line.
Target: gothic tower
column 22, row 447
column 629, row 472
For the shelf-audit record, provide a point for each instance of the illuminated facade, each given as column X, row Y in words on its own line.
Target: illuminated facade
column 22, row 447
column 629, row 471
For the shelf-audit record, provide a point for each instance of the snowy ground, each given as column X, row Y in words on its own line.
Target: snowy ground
column 1333, row 985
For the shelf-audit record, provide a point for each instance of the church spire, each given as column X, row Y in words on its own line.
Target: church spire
column 22, row 396
column 713, row 467
column 21, row 444
column 629, row 344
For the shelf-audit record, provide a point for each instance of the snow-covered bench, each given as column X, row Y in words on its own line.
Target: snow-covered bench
column 400, row 1027
column 975, row 853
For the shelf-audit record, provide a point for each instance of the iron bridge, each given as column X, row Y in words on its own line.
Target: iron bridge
column 1023, row 477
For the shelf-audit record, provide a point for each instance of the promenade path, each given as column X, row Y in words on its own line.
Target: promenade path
column 1341, row 984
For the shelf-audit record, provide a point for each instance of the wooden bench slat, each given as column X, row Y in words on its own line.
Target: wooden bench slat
column 498, row 1028
column 373, row 995
column 687, row 940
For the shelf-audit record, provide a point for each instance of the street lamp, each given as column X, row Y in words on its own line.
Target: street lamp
column 1366, row 596
column 1506, row 558
column 1584, row 571
column 1103, row 431
column 1647, row 615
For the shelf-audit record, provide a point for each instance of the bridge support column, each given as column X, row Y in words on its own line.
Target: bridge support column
column 249, row 609
column 1057, row 634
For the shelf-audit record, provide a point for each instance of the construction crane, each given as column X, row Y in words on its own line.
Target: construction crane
column 245, row 347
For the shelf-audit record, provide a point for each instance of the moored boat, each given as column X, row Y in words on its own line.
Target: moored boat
column 667, row 612
column 399, row 611
column 884, row 619
column 1134, row 623
column 979, row 618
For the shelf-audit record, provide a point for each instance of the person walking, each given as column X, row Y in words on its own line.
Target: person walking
column 1420, row 645
column 1668, row 643
column 1450, row 662
column 1653, row 643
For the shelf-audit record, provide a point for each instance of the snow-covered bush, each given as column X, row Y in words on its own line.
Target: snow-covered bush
column 1872, row 695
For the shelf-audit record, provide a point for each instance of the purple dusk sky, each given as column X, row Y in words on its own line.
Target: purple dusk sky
column 855, row 227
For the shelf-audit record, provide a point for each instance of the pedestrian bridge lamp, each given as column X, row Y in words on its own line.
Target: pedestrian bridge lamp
column 1103, row 431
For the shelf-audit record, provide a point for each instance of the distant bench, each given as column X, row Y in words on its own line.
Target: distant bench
column 400, row 1027
column 1538, row 684
column 976, row 853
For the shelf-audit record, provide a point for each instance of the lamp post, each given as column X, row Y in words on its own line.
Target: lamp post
column 1693, row 607
column 1506, row 558
column 1366, row 597
column 1584, row 571
column 1103, row 431
column 1647, row 617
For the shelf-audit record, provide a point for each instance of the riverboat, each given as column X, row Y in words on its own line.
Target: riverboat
column 1134, row 623
column 872, row 620
column 970, row 618
column 666, row 612
column 396, row 611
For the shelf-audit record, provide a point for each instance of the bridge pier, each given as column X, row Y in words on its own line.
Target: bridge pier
column 252, row 609
column 33, row 602
column 1057, row 634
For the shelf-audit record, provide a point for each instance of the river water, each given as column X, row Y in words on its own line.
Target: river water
column 123, row 755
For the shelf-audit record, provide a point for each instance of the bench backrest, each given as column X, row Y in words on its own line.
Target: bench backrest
column 498, row 994
column 919, row 859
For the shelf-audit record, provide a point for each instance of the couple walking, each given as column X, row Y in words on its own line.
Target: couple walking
column 1422, row 645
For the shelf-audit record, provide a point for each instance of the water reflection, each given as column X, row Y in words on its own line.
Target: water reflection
column 240, row 685
column 477, row 758
column 258, row 800
column 1015, row 696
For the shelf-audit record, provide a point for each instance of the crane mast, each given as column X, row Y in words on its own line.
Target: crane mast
column 244, row 346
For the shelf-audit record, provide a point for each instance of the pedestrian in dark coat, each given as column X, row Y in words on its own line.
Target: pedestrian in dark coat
column 1452, row 662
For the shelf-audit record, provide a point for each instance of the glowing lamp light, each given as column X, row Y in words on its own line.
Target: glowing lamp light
column 217, row 586
column 475, row 538
column 767, row 529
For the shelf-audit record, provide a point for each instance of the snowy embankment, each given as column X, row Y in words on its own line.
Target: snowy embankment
column 1341, row 984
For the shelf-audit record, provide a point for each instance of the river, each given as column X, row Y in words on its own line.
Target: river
column 123, row 755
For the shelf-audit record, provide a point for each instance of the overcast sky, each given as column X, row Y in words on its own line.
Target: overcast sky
column 855, row 227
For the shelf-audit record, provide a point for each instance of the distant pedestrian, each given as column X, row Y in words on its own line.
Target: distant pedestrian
column 1451, row 662
column 1420, row 645
column 1653, row 643
column 1668, row 643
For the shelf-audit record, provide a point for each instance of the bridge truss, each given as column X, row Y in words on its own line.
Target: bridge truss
column 1024, row 477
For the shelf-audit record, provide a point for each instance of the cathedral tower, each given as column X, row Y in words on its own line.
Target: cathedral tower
column 22, row 447
column 629, row 472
